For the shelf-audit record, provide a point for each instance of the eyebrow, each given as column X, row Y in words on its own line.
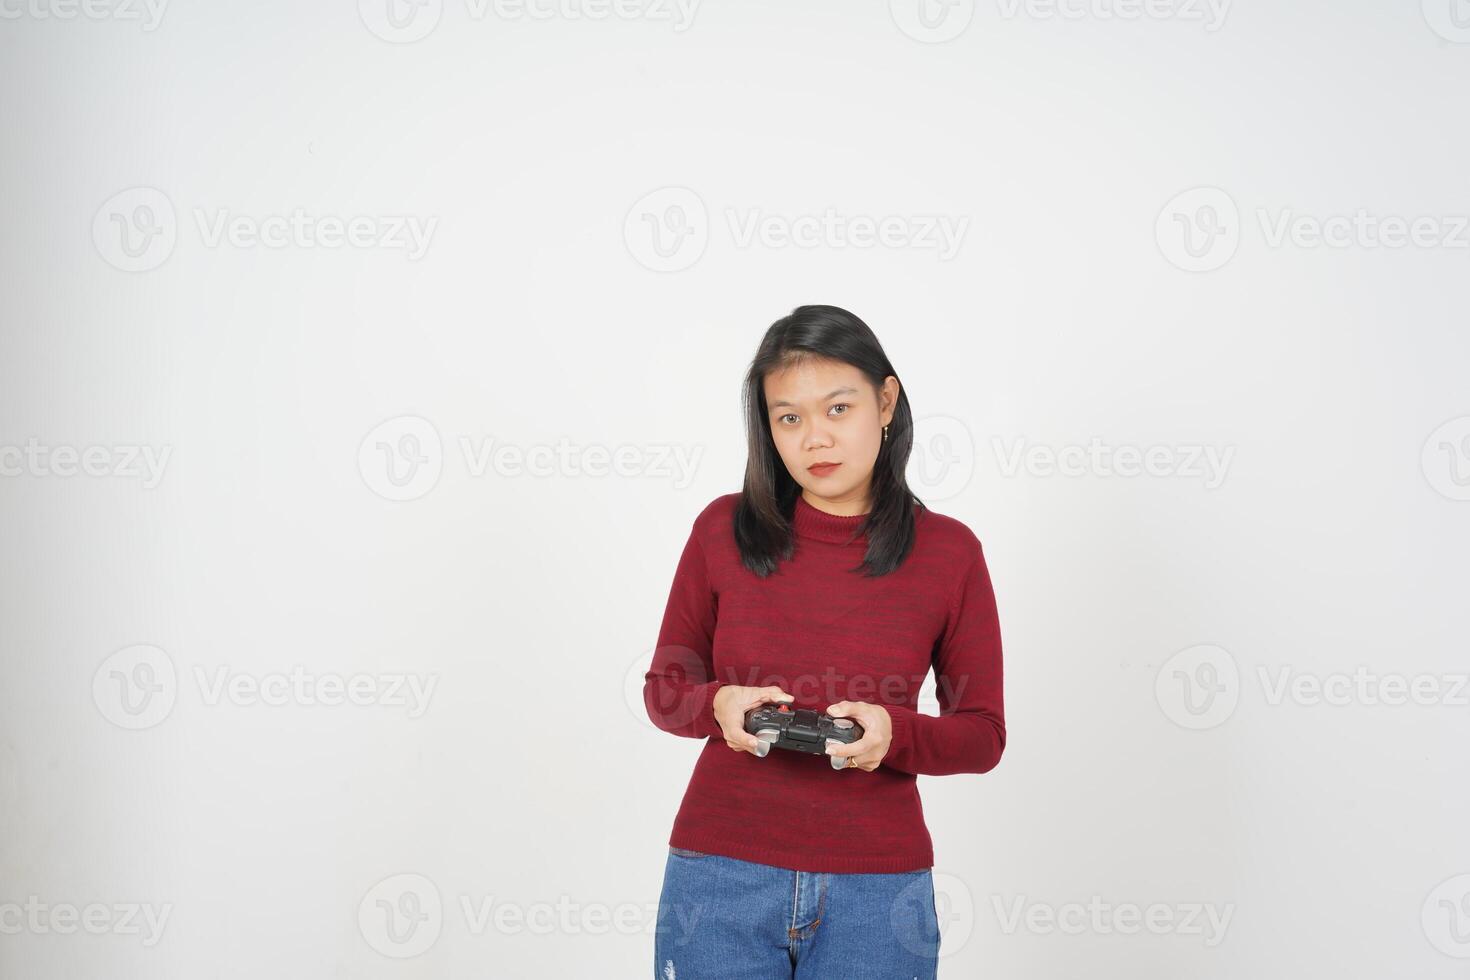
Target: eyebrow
column 830, row 396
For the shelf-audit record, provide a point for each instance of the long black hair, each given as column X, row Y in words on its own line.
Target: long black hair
column 768, row 499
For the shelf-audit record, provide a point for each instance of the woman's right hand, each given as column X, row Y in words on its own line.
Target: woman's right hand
column 730, row 705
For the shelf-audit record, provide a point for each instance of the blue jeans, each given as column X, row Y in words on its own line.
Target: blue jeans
column 720, row 918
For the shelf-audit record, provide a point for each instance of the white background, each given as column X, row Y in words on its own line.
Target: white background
column 543, row 312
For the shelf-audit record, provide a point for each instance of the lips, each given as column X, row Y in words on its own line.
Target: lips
column 822, row 469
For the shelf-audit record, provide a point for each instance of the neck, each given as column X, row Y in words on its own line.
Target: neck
column 854, row 506
column 809, row 521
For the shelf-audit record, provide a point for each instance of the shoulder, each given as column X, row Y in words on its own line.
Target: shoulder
column 946, row 538
column 722, row 508
column 717, row 518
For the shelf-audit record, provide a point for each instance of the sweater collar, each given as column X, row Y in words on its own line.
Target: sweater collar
column 810, row 522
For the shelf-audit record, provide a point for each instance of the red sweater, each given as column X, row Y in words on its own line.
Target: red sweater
column 825, row 634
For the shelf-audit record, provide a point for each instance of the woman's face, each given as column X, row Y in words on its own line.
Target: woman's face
column 825, row 411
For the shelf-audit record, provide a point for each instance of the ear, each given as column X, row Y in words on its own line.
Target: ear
column 888, row 399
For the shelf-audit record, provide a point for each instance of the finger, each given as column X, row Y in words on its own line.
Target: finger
column 744, row 742
column 858, row 762
column 774, row 693
column 841, row 749
column 860, row 711
column 869, row 741
column 758, row 697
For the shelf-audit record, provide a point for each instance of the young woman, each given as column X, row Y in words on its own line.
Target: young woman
column 825, row 584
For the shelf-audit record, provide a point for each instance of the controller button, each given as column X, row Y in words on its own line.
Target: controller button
column 843, row 723
column 783, row 708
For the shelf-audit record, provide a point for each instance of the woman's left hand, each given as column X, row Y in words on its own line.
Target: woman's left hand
column 868, row 751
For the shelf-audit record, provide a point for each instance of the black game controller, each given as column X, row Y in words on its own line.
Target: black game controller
column 799, row 729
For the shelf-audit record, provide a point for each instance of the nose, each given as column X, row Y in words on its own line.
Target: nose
column 816, row 438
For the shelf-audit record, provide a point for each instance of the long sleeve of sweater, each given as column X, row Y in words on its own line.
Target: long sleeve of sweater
column 679, row 686
column 969, row 734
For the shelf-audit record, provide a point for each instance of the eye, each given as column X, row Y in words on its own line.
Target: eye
column 842, row 406
column 788, row 416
